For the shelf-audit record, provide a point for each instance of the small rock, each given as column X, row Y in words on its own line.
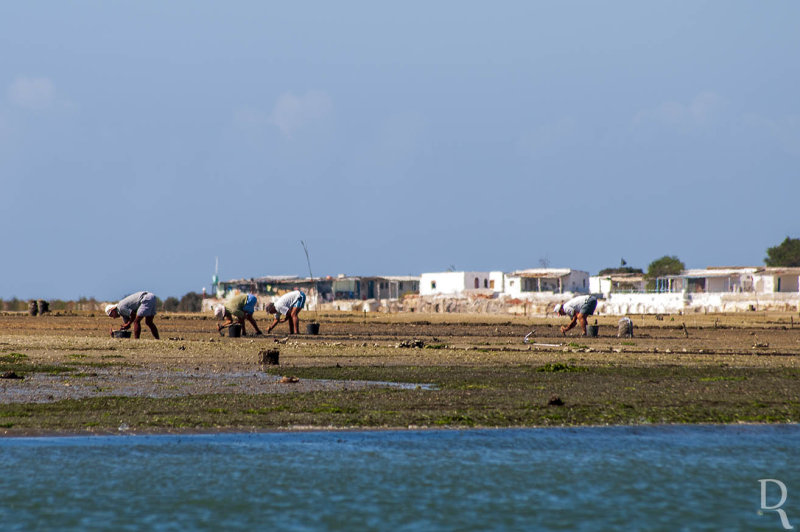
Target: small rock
column 555, row 401
column 417, row 344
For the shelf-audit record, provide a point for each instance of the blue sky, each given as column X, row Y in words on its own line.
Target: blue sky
column 140, row 140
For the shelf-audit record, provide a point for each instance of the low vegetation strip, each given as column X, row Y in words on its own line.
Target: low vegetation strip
column 517, row 396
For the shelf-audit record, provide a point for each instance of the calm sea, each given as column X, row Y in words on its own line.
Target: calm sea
column 615, row 478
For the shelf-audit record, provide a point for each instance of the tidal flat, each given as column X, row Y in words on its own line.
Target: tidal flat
column 388, row 371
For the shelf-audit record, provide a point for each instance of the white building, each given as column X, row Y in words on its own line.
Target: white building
column 709, row 280
column 721, row 289
column 771, row 279
column 629, row 283
column 459, row 283
column 526, row 283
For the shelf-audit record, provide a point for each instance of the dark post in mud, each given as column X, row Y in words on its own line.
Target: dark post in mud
column 269, row 357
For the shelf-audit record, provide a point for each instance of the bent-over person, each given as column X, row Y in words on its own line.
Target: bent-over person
column 240, row 307
column 578, row 308
column 133, row 309
column 287, row 308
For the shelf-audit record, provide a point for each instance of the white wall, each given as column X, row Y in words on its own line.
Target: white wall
column 452, row 283
column 768, row 283
column 445, row 283
column 499, row 279
column 577, row 281
column 599, row 285
column 621, row 304
column 482, row 279
column 673, row 303
column 764, row 284
column 513, row 286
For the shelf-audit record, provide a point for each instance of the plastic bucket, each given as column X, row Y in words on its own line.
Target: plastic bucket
column 235, row 330
column 122, row 334
column 312, row 328
column 592, row 330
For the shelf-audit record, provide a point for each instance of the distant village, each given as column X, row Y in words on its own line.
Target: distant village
column 534, row 291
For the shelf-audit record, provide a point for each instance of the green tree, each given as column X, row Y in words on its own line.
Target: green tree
column 787, row 253
column 171, row 304
column 621, row 269
column 191, row 302
column 666, row 265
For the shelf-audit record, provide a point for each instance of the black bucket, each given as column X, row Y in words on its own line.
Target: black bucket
column 235, row 330
column 592, row 330
column 122, row 334
column 312, row 328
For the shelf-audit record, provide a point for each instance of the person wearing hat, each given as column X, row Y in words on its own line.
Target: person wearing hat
column 287, row 308
column 240, row 307
column 578, row 308
column 134, row 308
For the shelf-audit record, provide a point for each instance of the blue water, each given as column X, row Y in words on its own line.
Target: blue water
column 615, row 478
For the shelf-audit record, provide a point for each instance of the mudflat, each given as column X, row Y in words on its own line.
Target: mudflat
column 64, row 374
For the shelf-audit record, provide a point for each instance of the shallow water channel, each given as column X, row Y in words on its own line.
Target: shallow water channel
column 655, row 478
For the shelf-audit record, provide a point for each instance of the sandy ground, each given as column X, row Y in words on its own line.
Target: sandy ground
column 192, row 358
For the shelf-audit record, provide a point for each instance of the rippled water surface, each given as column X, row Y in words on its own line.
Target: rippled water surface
column 616, row 478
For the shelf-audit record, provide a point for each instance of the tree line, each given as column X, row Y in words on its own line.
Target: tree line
column 189, row 302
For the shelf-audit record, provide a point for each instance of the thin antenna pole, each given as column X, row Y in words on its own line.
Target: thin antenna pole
column 308, row 261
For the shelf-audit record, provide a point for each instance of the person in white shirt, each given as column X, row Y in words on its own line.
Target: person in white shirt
column 578, row 308
column 133, row 309
column 287, row 308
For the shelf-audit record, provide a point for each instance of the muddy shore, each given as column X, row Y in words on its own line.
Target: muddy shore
column 400, row 370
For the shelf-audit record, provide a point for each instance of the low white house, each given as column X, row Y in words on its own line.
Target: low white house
column 709, row 280
column 526, row 283
column 720, row 289
column 458, row 283
column 629, row 283
column 772, row 279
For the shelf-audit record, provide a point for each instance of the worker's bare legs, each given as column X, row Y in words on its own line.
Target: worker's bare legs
column 249, row 317
column 148, row 320
column 582, row 321
column 294, row 320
